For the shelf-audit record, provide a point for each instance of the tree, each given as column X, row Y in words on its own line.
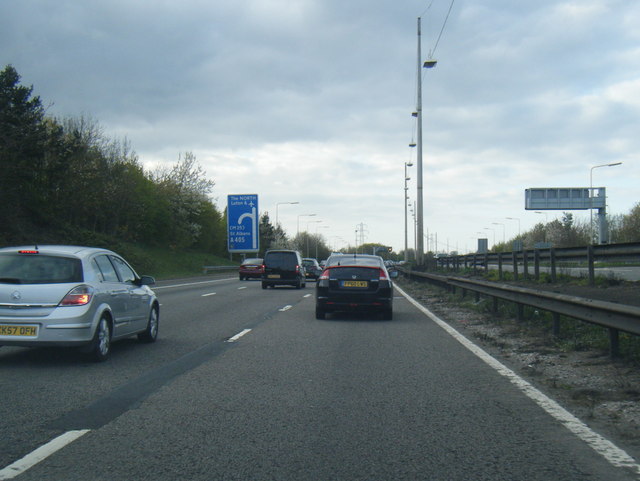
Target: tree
column 186, row 189
column 23, row 139
column 630, row 226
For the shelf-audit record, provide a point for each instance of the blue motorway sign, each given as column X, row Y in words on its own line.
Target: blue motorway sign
column 242, row 223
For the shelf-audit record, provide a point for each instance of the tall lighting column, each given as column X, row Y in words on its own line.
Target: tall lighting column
column 406, row 199
column 419, row 213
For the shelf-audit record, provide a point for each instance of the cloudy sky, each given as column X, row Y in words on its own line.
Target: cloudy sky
column 310, row 101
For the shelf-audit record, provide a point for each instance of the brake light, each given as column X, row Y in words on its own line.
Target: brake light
column 78, row 296
column 324, row 276
column 383, row 275
column 29, row 252
column 297, row 269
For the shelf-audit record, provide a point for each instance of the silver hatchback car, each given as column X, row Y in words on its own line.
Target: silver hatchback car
column 73, row 296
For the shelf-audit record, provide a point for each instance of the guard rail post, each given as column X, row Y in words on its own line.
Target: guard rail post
column 500, row 275
column 614, row 342
column 515, row 266
column 552, row 258
column 536, row 264
column 525, row 264
column 555, row 329
column 591, row 265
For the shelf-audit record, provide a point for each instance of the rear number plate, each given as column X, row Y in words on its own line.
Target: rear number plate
column 355, row 284
column 18, row 331
column 274, row 276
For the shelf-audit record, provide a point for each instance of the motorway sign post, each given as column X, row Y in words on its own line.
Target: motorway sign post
column 242, row 223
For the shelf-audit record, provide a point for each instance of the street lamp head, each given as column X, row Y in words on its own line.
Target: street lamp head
column 412, row 144
column 414, row 114
column 409, row 164
column 430, row 63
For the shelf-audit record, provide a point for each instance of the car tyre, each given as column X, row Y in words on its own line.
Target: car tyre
column 150, row 334
column 264, row 285
column 387, row 314
column 100, row 346
column 320, row 314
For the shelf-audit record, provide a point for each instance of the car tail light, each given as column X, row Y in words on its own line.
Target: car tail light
column 30, row 251
column 324, row 276
column 78, row 296
column 383, row 275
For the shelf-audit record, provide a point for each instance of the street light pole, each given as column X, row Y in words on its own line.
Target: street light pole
column 419, row 227
column 406, row 198
column 503, row 229
column 298, row 226
column 420, row 208
column 281, row 203
column 494, row 235
column 515, row 218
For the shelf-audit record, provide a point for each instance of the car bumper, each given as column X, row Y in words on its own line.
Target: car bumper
column 58, row 329
column 366, row 303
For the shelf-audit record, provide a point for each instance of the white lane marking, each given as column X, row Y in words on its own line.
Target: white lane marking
column 612, row 453
column 285, row 308
column 209, row 294
column 243, row 287
column 307, row 295
column 40, row 454
column 239, row 335
column 194, row 283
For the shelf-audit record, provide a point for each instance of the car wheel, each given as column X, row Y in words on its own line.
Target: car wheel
column 320, row 314
column 264, row 285
column 241, row 278
column 150, row 334
column 100, row 346
column 298, row 284
column 387, row 314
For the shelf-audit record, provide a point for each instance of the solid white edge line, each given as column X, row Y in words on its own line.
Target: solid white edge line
column 40, row 454
column 239, row 335
column 612, row 453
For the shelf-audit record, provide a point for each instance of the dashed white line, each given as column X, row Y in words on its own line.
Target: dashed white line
column 194, row 283
column 307, row 295
column 612, row 453
column 285, row 308
column 40, row 454
column 209, row 294
column 239, row 335
column 243, row 287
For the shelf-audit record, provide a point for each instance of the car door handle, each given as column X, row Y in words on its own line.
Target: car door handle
column 118, row 292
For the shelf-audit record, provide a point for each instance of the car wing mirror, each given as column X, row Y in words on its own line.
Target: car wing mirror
column 147, row 281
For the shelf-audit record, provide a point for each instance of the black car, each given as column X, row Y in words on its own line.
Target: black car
column 283, row 267
column 354, row 282
column 312, row 269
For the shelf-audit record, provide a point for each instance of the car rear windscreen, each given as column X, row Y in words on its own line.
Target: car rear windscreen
column 39, row 269
column 281, row 260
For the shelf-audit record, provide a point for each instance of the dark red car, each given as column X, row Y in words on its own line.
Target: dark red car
column 250, row 268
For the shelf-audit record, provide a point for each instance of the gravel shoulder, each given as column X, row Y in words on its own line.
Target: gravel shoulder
column 603, row 393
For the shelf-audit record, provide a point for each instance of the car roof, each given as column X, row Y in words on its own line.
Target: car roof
column 68, row 250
